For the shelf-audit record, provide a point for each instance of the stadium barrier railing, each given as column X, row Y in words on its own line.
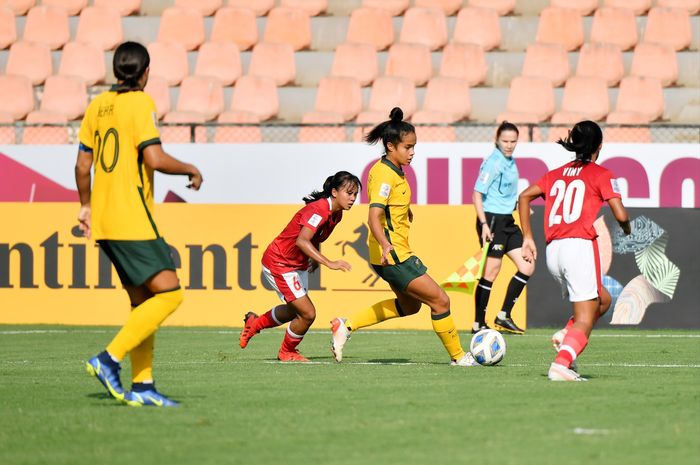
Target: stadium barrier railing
column 274, row 132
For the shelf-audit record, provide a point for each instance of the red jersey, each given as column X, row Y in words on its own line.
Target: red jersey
column 573, row 196
column 283, row 252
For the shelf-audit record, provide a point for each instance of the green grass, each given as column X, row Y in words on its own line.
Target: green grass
column 395, row 401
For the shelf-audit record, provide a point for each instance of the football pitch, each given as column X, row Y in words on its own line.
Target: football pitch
column 393, row 400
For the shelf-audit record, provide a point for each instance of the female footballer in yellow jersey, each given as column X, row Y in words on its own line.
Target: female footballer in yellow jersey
column 391, row 256
column 120, row 142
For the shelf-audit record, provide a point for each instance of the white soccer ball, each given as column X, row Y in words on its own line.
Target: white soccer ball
column 488, row 347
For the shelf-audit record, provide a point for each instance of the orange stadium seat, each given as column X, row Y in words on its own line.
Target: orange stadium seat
column 447, row 96
column 274, row 60
column 221, row 60
column 182, row 134
column 585, row 7
column 238, row 134
column 201, row 94
column 168, row 60
column 560, row 26
column 369, row 118
column 358, row 61
column 17, row 96
column 32, row 60
column 668, row 26
column 157, row 87
column 205, row 7
column 371, row 26
column 638, row 7
column 639, row 135
column 72, row 7
column 657, row 61
column 289, row 25
column 7, row 129
column 394, row 7
column 426, row 26
column 691, row 6
column 639, row 95
column 322, row 134
column 340, row 95
column 614, row 26
column 312, row 7
column 101, row 26
column 45, row 134
column 182, row 25
column 601, row 60
column 83, row 60
column 235, row 25
column 125, row 7
column 449, row 7
column 478, row 26
column 20, row 7
column 8, row 30
column 561, row 124
column 550, row 61
column 584, row 98
column 259, row 7
column 389, row 92
column 464, row 61
column 47, row 25
column 425, row 132
column 412, row 61
column 503, row 7
column 530, row 100
column 66, row 95
column 256, row 94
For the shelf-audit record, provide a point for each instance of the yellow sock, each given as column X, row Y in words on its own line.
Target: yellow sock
column 381, row 311
column 142, row 360
column 144, row 321
column 444, row 327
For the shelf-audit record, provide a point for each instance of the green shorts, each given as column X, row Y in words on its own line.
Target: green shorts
column 402, row 274
column 136, row 261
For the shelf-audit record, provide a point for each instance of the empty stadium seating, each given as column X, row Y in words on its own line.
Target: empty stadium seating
column 302, row 45
column 17, row 96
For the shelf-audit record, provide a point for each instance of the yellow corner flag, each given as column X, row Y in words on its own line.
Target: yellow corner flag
column 467, row 275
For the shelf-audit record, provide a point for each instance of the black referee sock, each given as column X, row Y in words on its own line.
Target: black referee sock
column 515, row 288
column 481, row 300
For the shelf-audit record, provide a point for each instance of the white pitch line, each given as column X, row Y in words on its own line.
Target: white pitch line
column 590, row 431
column 407, row 332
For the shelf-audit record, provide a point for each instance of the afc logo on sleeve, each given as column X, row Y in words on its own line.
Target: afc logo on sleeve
column 615, row 186
column 384, row 190
column 315, row 220
column 484, row 177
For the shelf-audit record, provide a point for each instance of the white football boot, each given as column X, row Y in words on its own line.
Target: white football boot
column 340, row 335
column 559, row 372
column 467, row 360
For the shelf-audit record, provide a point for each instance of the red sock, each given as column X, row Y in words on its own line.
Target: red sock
column 265, row 321
column 290, row 341
column 574, row 343
column 569, row 323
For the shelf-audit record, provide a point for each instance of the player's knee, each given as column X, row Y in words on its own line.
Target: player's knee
column 173, row 298
column 442, row 302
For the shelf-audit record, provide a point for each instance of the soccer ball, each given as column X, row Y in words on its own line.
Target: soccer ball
column 488, row 347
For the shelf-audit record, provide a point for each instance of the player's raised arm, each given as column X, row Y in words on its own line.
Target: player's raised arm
column 529, row 250
column 156, row 158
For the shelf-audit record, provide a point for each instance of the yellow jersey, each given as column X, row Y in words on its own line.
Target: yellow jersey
column 388, row 189
column 116, row 128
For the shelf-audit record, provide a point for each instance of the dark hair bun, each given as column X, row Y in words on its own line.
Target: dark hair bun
column 396, row 114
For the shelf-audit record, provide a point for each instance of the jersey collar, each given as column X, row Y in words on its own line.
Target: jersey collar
column 396, row 169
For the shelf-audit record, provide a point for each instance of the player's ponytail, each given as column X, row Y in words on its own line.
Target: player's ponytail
column 131, row 60
column 584, row 139
column 338, row 180
column 390, row 131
